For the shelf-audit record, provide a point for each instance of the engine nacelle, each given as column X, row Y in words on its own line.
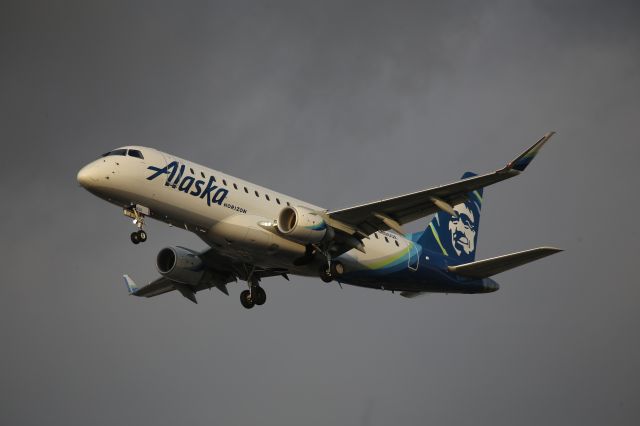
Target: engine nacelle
column 181, row 265
column 303, row 225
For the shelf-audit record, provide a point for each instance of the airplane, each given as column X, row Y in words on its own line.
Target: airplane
column 253, row 232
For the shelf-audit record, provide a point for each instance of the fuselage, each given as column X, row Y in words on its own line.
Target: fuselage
column 235, row 218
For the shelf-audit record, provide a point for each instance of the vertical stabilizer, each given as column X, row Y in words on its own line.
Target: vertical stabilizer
column 455, row 236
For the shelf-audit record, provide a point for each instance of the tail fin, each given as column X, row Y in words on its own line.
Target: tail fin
column 455, row 236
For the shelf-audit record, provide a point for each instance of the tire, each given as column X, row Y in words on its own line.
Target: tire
column 245, row 299
column 135, row 238
column 337, row 269
column 259, row 295
column 142, row 236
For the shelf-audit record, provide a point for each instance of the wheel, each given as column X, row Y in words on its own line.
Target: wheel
column 246, row 300
column 325, row 275
column 259, row 295
column 337, row 269
column 135, row 238
column 142, row 236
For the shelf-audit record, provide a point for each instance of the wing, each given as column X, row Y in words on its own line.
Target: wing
column 221, row 270
column 165, row 285
column 214, row 260
column 159, row 286
column 392, row 213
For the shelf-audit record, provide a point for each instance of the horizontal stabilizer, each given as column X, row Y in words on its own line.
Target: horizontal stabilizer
column 490, row 267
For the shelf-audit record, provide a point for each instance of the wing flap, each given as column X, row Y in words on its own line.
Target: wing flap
column 490, row 267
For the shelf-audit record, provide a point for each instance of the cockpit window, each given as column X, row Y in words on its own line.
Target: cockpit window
column 116, row 152
column 136, row 153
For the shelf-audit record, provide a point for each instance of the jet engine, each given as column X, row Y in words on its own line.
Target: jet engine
column 303, row 225
column 180, row 265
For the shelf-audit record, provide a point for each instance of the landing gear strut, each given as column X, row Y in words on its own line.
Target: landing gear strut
column 325, row 274
column 137, row 213
column 331, row 271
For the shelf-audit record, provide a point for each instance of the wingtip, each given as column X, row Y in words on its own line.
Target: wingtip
column 553, row 249
column 520, row 163
column 544, row 139
column 131, row 285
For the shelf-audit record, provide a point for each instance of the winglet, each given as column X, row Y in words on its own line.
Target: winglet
column 522, row 161
column 131, row 285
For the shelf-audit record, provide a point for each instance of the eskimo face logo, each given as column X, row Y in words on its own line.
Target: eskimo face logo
column 463, row 230
column 211, row 192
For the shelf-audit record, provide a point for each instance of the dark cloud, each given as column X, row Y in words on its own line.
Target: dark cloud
column 337, row 103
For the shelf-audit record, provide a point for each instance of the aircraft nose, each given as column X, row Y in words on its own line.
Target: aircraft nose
column 86, row 176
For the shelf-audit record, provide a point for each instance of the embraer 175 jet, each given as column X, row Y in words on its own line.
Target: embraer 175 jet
column 254, row 232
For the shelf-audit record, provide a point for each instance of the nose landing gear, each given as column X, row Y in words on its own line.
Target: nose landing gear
column 137, row 213
column 138, row 237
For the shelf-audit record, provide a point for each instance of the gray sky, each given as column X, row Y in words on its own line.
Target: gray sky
column 336, row 103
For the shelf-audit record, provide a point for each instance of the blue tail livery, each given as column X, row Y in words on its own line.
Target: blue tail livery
column 455, row 236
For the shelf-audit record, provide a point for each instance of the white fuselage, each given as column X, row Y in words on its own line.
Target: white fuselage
column 230, row 214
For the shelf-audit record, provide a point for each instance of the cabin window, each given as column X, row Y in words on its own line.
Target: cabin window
column 192, row 172
column 202, row 174
column 235, row 186
column 386, row 239
column 376, row 234
column 278, row 200
column 267, row 197
column 289, row 204
column 257, row 195
column 224, row 182
column 246, row 190
column 397, row 244
column 135, row 153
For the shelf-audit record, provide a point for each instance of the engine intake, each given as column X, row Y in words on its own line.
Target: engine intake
column 180, row 265
column 303, row 225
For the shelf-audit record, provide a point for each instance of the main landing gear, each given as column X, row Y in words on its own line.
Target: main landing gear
column 137, row 213
column 331, row 271
column 254, row 296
